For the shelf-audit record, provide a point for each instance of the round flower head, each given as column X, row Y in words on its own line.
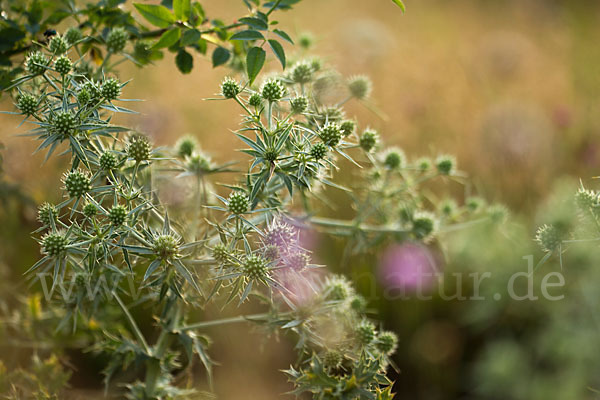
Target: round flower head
column 393, row 158
column 447, row 207
column 238, row 203
column 186, row 146
column 332, row 359
column 445, row 164
column 165, row 246
column 255, row 267
column 330, row 114
column 299, row 104
column 93, row 90
column 474, row 203
column 54, row 244
column 139, row 148
column 64, row 123
column 348, row 127
column 281, row 234
column 198, row 163
column 220, row 253
column 296, row 259
column 368, row 140
column 316, row 64
column 330, row 134
column 63, row 65
column 117, row 215
column 57, row 45
column 77, row 183
column 318, row 151
column 423, row 224
column 586, row 199
column 230, row 88
column 358, row 303
column 423, row 164
column 365, row 333
column 108, row 161
column 116, row 40
column 36, row 63
column 272, row 90
column 548, row 237
column 47, row 213
column 306, row 40
column 270, row 252
column 498, row 213
column 255, row 100
column 90, row 210
column 387, row 342
column 337, row 288
column 302, row 72
column 72, row 35
column 359, row 86
column 111, row 89
column 27, row 103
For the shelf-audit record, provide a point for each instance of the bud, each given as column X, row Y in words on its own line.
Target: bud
column 108, row 161
column 299, row 104
column 337, row 288
column 77, row 183
column 302, row 72
column 90, row 210
column 198, row 163
column 220, row 253
column 165, row 246
column 586, row 199
column 255, row 100
column 57, row 45
column 186, row 146
column 111, row 89
column 447, row 207
column 445, row 164
column 230, row 88
column 365, row 333
column 548, row 237
column 47, row 213
column 117, row 215
column 238, row 203
column 330, row 134
column 306, row 40
column 332, row 359
column 358, row 303
column 27, row 103
column 387, row 342
column 318, row 151
column 424, row 164
column 273, row 90
column 348, row 127
column 394, row 158
column 359, row 86
column 93, row 92
column 116, row 40
column 139, row 148
column 63, row 65
column 498, row 213
column 474, row 203
column 255, row 267
column 280, row 234
column 64, row 123
column 36, row 63
column 316, row 64
column 368, row 140
column 73, row 35
column 54, row 244
column 423, row 224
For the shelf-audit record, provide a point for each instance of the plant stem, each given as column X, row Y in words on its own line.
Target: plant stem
column 136, row 329
column 224, row 321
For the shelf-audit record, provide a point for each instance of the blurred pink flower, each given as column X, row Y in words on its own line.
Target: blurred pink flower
column 407, row 266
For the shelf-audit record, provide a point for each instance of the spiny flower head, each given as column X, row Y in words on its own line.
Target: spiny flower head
column 347, row 127
column 238, row 203
column 63, row 65
column 111, row 89
column 255, row 267
column 332, row 359
column 548, row 237
column 305, row 40
column 139, row 148
column 116, row 40
column 72, row 35
column 77, row 183
column 329, row 114
column 296, row 259
column 318, row 151
column 337, row 288
column 445, row 164
column 198, row 163
column 424, row 164
column 27, row 103
column 165, row 246
column 365, row 333
column 47, row 213
column 186, row 146
column 58, row 45
column 387, row 342
column 36, row 63
column 90, row 210
column 93, row 91
column 281, row 234
column 586, row 199
column 331, row 134
column 498, row 213
column 117, row 215
column 270, row 252
column 108, row 161
column 359, row 86
column 474, row 203
column 54, row 244
column 220, row 253
column 302, row 72
column 299, row 104
column 64, row 123
column 230, row 88
column 272, row 90
column 358, row 303
column 394, row 158
column 368, row 140
column 424, row 224
column 255, row 100
column 447, row 207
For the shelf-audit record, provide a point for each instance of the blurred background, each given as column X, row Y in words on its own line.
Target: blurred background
column 511, row 88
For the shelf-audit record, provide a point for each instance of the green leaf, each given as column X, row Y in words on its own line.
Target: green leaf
column 283, row 35
column 254, row 62
column 190, row 36
column 247, row 35
column 168, row 38
column 255, row 23
column 182, row 9
column 278, row 50
column 184, row 61
column 159, row 16
column 400, row 4
column 220, row 56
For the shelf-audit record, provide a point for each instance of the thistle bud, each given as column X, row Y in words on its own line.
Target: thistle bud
column 238, row 203
column 165, row 246
column 474, row 203
column 365, row 333
column 63, row 65
column 548, row 237
column 332, row 359
column 423, row 224
column 186, row 146
column 445, row 164
column 387, row 342
column 348, row 127
column 230, row 88
column 394, row 158
column 255, row 267
column 330, row 134
column 337, row 288
column 108, row 161
column 54, row 244
column 47, row 213
column 255, row 100
column 198, row 163
column 77, row 183
column 57, row 45
column 117, row 215
column 302, row 72
column 73, row 35
column 359, row 86
column 273, row 90
column 586, row 199
column 368, row 140
column 299, row 104
column 116, row 40
column 139, row 148
column 111, row 89
column 305, row 40
column 318, row 151
column 220, row 253
column 64, row 123
column 90, row 210
column 27, row 104
column 37, row 63
column 424, row 164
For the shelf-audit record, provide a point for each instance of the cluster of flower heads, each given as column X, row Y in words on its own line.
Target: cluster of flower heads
column 281, row 245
